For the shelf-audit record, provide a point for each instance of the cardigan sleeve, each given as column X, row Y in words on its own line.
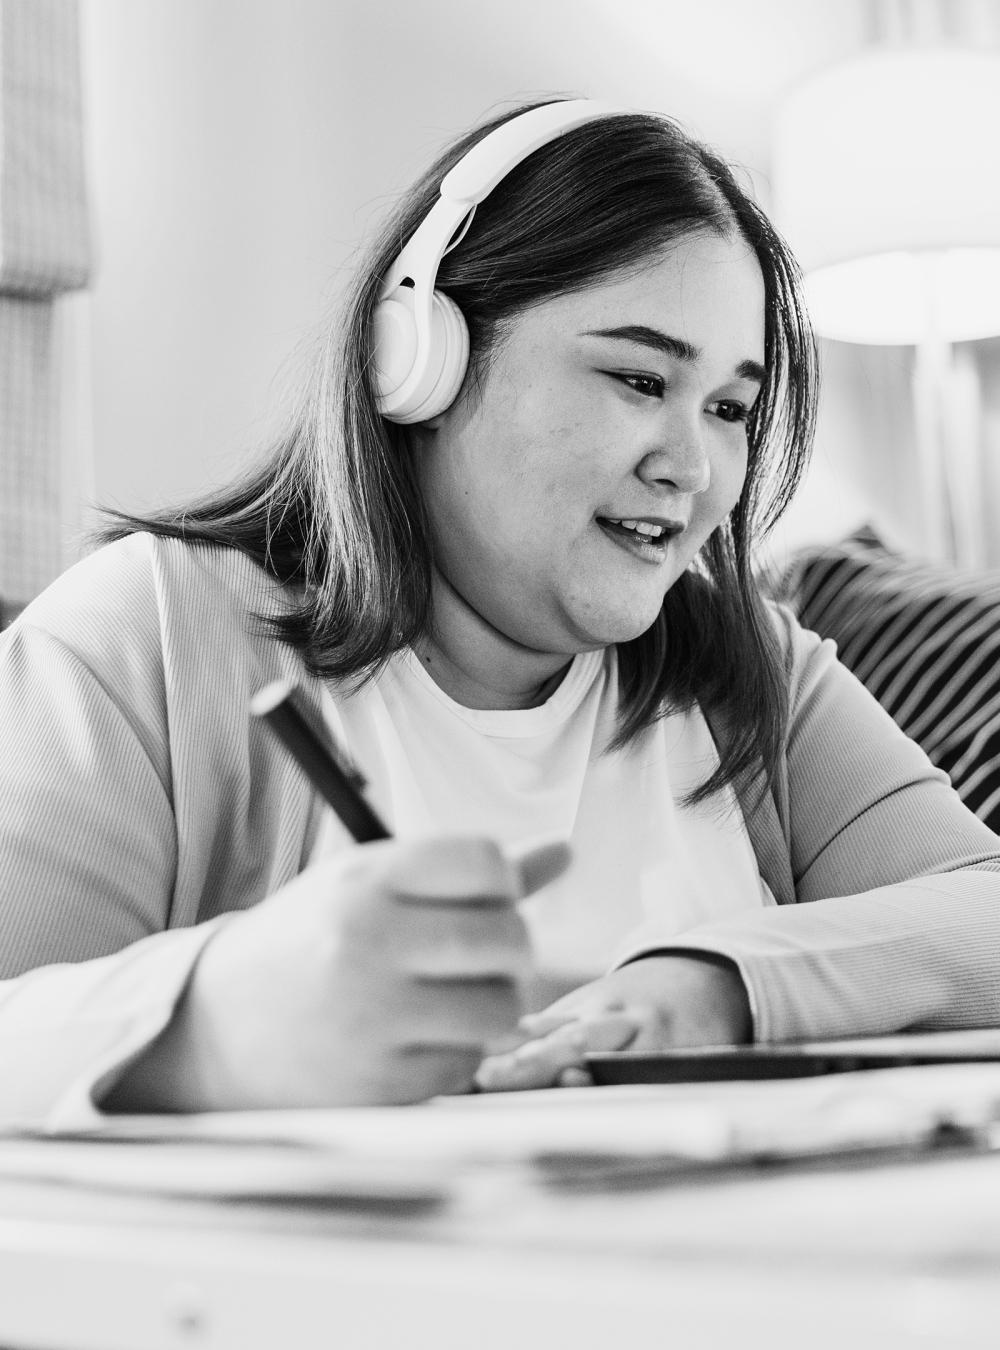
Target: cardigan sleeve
column 140, row 807
column 87, row 838
column 896, row 924
column 88, row 977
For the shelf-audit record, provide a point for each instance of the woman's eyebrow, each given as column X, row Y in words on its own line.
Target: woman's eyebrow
column 678, row 348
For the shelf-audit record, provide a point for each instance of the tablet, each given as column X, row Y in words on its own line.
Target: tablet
column 728, row 1062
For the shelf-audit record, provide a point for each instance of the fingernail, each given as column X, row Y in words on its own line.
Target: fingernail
column 503, row 1045
column 524, row 1052
column 486, row 1075
column 542, row 1021
column 574, row 1077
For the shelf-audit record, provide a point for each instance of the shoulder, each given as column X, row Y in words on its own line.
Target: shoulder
column 126, row 608
column 820, row 688
column 112, row 582
column 834, row 723
column 142, row 575
column 806, row 656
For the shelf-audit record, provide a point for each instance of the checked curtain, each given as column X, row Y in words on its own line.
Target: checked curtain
column 44, row 252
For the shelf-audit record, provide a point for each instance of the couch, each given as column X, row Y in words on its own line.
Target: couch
column 925, row 640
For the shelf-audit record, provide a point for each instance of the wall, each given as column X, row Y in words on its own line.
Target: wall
column 239, row 148
column 862, row 469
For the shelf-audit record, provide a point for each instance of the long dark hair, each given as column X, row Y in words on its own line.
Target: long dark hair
column 334, row 511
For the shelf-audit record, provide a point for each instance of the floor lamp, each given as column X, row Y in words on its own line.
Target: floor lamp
column 886, row 179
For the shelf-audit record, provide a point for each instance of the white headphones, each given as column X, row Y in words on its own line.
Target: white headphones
column 421, row 342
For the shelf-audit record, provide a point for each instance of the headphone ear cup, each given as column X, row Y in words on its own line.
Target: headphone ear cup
column 449, row 360
column 396, row 347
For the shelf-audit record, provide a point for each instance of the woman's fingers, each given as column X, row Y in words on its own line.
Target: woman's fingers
column 544, row 1061
column 432, row 912
column 535, row 867
column 468, row 1012
column 470, row 867
column 575, row 1077
column 378, row 975
column 568, row 1011
column 441, row 939
column 473, row 942
column 454, row 948
column 437, row 871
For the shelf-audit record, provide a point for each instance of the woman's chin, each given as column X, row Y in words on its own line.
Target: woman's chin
column 616, row 629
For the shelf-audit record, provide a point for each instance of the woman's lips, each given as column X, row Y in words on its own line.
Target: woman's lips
column 648, row 547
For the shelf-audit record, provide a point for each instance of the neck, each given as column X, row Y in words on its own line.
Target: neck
column 479, row 666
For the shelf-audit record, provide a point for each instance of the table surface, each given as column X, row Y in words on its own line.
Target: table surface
column 889, row 1253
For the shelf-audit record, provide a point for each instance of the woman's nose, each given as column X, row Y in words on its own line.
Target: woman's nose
column 679, row 460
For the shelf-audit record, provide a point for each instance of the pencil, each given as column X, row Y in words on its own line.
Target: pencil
column 331, row 774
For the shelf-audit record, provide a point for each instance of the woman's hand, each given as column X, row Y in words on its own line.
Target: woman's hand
column 378, row 976
column 655, row 1003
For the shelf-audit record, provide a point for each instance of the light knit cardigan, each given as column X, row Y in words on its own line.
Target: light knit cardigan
column 140, row 804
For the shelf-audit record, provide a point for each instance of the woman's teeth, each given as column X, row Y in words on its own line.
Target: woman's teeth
column 643, row 527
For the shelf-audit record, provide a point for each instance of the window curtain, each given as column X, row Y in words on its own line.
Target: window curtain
column 44, row 252
column 904, row 447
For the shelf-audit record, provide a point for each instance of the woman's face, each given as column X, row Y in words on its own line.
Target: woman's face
column 606, row 442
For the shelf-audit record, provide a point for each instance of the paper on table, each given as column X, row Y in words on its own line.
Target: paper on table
column 220, row 1170
column 699, row 1123
column 419, row 1154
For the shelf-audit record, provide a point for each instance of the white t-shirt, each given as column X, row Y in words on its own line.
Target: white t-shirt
column 644, row 867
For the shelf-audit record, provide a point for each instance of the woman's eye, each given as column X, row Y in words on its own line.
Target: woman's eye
column 732, row 411
column 650, row 386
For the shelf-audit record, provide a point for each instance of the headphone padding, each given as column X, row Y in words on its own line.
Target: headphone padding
column 396, row 355
column 395, row 347
column 448, row 364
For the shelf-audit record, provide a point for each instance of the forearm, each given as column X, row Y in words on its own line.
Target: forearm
column 163, row 1078
column 180, row 1068
column 67, row 1032
column 921, row 954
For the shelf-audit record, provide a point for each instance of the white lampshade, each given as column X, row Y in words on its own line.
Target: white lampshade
column 886, row 176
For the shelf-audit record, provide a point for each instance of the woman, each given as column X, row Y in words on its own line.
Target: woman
column 521, row 596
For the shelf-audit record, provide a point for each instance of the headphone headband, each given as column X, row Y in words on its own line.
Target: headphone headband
column 478, row 172
column 421, row 341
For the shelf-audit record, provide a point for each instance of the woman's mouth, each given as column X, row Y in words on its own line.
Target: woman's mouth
column 642, row 537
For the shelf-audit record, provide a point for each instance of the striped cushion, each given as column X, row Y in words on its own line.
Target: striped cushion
column 924, row 639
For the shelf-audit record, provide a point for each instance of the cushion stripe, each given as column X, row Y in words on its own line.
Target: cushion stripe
column 925, row 640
